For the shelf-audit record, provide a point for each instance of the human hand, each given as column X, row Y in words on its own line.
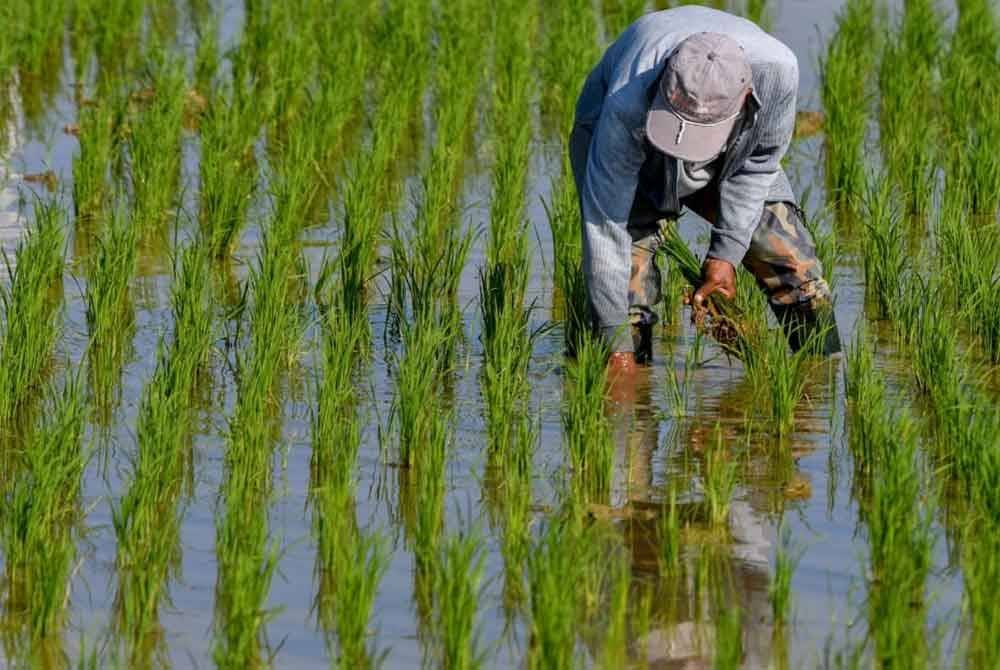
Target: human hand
column 717, row 276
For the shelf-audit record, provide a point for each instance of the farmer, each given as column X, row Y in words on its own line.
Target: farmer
column 692, row 107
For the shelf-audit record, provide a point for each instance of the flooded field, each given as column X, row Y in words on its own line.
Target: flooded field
column 283, row 371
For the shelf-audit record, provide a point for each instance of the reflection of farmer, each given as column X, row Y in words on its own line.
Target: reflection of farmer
column 691, row 107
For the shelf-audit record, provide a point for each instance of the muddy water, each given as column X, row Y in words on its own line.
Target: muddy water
column 810, row 498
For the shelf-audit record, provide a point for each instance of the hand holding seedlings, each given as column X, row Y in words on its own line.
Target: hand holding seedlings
column 718, row 276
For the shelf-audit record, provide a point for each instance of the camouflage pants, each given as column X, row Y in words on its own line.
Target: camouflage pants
column 782, row 258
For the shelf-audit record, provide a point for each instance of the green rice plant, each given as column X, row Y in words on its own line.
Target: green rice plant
column 614, row 646
column 719, row 479
column 91, row 167
column 678, row 386
column 112, row 31
column 779, row 376
column 896, row 508
column 586, row 429
column 154, row 141
column 147, row 520
column 980, row 574
column 247, row 555
column 886, row 259
column 110, row 317
column 42, row 510
column 780, row 590
column 669, row 531
column 907, row 74
column 569, row 290
column 227, row 169
column 967, row 80
column 847, row 72
column 554, row 570
column 457, row 588
column 726, row 321
column 570, row 49
column 31, row 308
column 36, row 30
column 356, row 564
column 728, row 639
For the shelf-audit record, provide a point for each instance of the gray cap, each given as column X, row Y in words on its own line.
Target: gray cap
column 699, row 97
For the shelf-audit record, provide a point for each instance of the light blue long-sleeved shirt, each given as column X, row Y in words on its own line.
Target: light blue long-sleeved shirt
column 613, row 106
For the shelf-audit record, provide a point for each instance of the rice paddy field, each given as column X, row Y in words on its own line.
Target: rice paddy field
column 288, row 292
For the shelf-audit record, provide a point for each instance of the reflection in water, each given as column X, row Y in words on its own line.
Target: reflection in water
column 716, row 608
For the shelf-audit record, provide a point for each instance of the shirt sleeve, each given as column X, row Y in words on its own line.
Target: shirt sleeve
column 742, row 195
column 609, row 184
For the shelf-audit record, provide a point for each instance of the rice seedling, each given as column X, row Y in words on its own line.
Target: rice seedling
column 780, row 589
column 227, row 167
column 457, row 588
column 31, row 306
column 586, row 430
column 37, row 36
column 719, row 479
column 39, row 543
column 728, row 639
column 148, row 518
column 670, row 536
column 971, row 131
column 614, row 646
column 779, row 376
column 981, row 571
column 91, row 167
column 110, row 317
column 847, row 72
column 554, row 568
column 906, row 74
column 154, row 142
column 886, row 260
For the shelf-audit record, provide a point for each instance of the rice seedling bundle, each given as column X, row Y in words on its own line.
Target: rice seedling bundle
column 227, row 166
column 586, row 430
column 907, row 74
column 154, row 142
column 42, row 509
column 457, row 585
column 31, row 306
column 110, row 317
column 970, row 94
column 848, row 67
column 98, row 129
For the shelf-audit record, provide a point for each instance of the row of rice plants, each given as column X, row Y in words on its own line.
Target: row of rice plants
column 246, row 554
column 148, row 518
column 907, row 73
column 507, row 342
column 349, row 562
column 970, row 92
column 848, row 69
column 372, row 179
column 31, row 303
column 503, row 281
column 897, row 503
column 571, row 47
column 42, row 514
column 106, row 34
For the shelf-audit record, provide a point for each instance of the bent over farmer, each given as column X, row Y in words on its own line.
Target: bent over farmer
column 692, row 107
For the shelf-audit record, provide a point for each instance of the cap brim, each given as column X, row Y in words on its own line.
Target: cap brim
column 697, row 142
